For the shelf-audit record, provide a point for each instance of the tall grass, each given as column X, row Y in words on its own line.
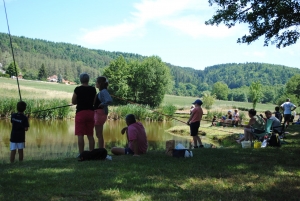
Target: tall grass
column 143, row 112
column 37, row 108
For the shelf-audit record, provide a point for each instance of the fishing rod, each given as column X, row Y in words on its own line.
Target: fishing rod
column 12, row 50
column 51, row 109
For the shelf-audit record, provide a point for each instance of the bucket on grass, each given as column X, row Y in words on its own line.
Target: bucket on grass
column 257, row 145
column 246, row 144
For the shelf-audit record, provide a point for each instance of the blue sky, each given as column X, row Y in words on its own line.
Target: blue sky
column 171, row 29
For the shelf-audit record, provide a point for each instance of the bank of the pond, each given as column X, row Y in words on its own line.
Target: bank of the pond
column 60, row 109
column 223, row 136
column 212, row 174
column 38, row 108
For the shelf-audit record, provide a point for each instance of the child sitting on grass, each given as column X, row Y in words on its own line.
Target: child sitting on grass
column 19, row 126
column 194, row 122
column 214, row 121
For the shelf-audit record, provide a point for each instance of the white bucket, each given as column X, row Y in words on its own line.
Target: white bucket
column 246, row 144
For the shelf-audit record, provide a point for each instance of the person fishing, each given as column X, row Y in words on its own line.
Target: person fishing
column 137, row 138
column 84, row 96
column 102, row 100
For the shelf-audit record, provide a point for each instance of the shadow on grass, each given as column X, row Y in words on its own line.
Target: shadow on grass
column 212, row 174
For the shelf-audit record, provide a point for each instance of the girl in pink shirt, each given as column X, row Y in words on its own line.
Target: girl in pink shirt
column 194, row 122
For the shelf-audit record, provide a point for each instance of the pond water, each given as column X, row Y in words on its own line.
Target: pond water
column 56, row 139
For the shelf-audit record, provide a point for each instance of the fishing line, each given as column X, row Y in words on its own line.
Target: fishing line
column 50, row 109
column 12, row 50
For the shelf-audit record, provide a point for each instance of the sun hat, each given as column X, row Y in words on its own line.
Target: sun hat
column 198, row 102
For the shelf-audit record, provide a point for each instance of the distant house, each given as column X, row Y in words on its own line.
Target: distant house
column 52, row 78
column 19, row 77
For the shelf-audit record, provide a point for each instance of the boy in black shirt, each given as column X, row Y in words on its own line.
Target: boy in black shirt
column 19, row 126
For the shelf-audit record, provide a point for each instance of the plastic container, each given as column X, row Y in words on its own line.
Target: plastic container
column 246, row 144
column 257, row 145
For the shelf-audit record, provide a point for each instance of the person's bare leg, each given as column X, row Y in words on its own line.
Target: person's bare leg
column 199, row 140
column 246, row 134
column 118, row 151
column 21, row 154
column 99, row 134
column 195, row 141
column 80, row 143
column 12, row 155
column 91, row 142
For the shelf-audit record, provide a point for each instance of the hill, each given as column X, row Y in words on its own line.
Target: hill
column 70, row 60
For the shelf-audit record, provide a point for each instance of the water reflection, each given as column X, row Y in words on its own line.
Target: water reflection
column 56, row 139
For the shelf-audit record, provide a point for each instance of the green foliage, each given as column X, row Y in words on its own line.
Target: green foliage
column 35, row 107
column 208, row 100
column 60, row 78
column 293, row 86
column 275, row 20
column 210, row 114
column 220, row 89
column 143, row 82
column 12, row 70
column 4, row 75
column 255, row 93
column 42, row 75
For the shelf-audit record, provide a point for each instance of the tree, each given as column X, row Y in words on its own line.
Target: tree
column 293, row 86
column 42, row 75
column 118, row 73
column 11, row 70
column 255, row 93
column 276, row 20
column 208, row 100
column 221, row 90
column 153, row 79
column 60, row 78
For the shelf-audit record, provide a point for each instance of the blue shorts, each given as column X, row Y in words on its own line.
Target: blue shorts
column 128, row 151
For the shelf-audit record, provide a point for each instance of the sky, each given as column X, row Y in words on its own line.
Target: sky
column 174, row 30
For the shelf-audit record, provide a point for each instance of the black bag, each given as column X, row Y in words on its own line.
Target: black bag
column 178, row 153
column 95, row 154
column 274, row 141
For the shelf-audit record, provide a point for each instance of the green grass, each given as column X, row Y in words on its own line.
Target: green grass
column 212, row 174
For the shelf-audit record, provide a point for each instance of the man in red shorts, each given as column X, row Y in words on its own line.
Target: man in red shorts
column 84, row 96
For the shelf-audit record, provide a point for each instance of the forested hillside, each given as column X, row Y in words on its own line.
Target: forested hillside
column 70, row 60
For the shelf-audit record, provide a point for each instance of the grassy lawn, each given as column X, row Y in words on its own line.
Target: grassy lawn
column 212, row 174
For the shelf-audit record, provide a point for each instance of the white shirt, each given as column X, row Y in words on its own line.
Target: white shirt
column 287, row 106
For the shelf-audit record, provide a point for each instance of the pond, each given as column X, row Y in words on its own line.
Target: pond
column 56, row 139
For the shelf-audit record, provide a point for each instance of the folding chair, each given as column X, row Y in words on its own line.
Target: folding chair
column 267, row 130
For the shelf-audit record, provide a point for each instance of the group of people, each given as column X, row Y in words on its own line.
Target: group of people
column 92, row 111
column 257, row 123
column 229, row 119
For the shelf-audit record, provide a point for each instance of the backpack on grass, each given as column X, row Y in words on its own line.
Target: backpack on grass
column 95, row 154
column 274, row 141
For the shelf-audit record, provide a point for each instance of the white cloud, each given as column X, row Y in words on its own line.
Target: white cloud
column 105, row 34
column 195, row 27
column 160, row 12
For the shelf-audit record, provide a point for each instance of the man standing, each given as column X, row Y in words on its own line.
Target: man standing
column 137, row 139
column 288, row 107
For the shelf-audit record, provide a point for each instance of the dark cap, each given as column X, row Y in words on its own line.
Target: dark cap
column 198, row 102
